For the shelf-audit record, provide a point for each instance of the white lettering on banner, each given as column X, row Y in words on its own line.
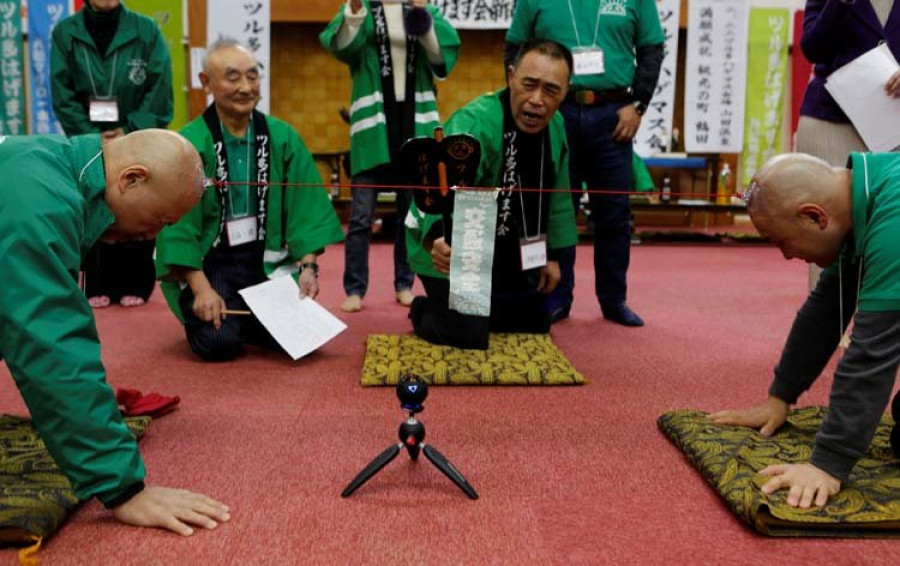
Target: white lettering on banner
column 715, row 83
column 473, row 252
column 12, row 102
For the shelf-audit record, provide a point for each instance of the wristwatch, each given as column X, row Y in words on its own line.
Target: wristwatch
column 310, row 265
column 639, row 107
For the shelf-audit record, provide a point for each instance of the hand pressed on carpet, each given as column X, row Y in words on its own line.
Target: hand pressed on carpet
column 172, row 509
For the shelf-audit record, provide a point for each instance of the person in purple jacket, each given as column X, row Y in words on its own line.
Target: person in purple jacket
column 836, row 32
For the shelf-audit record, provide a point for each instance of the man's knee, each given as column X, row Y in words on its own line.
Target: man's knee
column 212, row 344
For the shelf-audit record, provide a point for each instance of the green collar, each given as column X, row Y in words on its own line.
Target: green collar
column 126, row 32
column 859, row 198
column 89, row 167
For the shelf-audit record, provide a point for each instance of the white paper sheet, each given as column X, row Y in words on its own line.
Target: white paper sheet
column 858, row 88
column 299, row 325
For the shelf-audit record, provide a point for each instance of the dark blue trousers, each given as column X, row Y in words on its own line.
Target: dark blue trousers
column 603, row 164
column 229, row 270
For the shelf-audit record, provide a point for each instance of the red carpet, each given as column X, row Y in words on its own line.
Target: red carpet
column 573, row 475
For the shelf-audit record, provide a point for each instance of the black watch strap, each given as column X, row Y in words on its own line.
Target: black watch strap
column 310, row 265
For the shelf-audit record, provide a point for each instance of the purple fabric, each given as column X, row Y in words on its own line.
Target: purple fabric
column 834, row 33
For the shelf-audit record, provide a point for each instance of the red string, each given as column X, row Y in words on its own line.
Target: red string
column 521, row 189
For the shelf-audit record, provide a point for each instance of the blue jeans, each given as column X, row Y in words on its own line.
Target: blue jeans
column 359, row 232
column 603, row 164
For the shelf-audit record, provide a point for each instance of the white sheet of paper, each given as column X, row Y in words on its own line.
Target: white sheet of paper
column 299, row 325
column 858, row 88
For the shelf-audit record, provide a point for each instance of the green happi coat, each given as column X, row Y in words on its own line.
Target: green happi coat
column 311, row 221
column 483, row 119
column 52, row 210
column 142, row 82
column 369, row 146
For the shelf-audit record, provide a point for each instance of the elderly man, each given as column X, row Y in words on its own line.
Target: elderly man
column 59, row 197
column 848, row 221
column 245, row 230
column 520, row 121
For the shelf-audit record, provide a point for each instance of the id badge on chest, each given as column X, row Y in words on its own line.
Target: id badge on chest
column 588, row 61
column 241, row 231
column 103, row 110
column 533, row 252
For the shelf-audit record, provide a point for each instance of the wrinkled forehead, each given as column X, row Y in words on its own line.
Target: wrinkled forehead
column 535, row 66
column 232, row 59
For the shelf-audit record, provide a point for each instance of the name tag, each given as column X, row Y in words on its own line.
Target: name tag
column 106, row 110
column 588, row 61
column 534, row 252
column 241, row 231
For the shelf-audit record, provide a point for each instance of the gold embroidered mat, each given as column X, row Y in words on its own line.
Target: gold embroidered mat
column 730, row 458
column 35, row 496
column 511, row 359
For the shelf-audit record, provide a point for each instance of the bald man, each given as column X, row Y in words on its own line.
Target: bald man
column 846, row 220
column 60, row 196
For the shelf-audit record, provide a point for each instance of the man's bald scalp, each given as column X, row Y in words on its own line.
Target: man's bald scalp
column 786, row 181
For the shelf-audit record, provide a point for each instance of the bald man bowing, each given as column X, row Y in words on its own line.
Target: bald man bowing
column 60, row 196
column 846, row 220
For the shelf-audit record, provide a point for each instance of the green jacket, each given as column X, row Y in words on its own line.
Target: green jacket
column 483, row 119
column 142, row 83
column 52, row 210
column 368, row 128
column 311, row 221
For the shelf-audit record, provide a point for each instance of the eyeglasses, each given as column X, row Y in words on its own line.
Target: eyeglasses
column 748, row 195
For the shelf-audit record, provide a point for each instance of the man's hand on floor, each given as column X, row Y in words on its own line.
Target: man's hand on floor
column 172, row 509
column 767, row 418
column 807, row 484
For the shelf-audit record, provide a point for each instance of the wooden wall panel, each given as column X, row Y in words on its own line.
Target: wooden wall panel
column 304, row 11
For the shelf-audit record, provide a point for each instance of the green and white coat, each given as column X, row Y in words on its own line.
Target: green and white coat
column 52, row 210
column 309, row 225
column 368, row 126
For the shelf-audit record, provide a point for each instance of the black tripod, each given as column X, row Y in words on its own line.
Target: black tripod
column 412, row 392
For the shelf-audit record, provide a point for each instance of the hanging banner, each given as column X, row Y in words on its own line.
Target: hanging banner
column 655, row 134
column 716, row 75
column 249, row 23
column 766, row 77
column 43, row 15
column 472, row 260
column 168, row 15
column 12, row 97
column 477, row 14
column 801, row 74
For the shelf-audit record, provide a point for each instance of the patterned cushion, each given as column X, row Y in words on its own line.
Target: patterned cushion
column 511, row 359
column 730, row 458
column 35, row 496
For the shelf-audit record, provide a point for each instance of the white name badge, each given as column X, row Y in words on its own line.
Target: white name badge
column 106, row 110
column 241, row 231
column 534, row 252
column 588, row 61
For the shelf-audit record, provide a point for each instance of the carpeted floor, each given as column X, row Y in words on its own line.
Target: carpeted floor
column 567, row 475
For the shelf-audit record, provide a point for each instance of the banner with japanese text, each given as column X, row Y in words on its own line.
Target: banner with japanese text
column 715, row 78
column 43, row 15
column 655, row 134
column 768, row 41
column 477, row 14
column 247, row 21
column 168, row 14
column 472, row 260
column 12, row 97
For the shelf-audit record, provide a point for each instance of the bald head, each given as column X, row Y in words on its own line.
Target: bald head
column 153, row 178
column 802, row 204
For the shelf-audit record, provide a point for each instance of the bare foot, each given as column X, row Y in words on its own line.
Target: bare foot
column 353, row 303
column 405, row 297
column 99, row 302
column 131, row 301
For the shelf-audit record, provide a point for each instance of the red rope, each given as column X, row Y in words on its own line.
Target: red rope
column 521, row 189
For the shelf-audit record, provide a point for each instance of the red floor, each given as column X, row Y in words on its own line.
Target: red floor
column 566, row 475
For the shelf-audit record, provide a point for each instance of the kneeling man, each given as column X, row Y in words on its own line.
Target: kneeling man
column 523, row 146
